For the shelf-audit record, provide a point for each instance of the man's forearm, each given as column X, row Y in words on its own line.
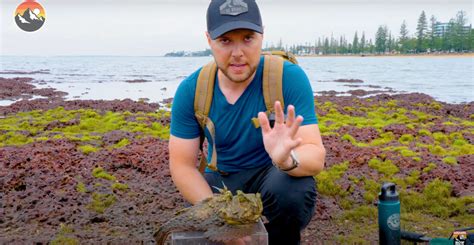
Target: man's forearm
column 190, row 183
column 311, row 158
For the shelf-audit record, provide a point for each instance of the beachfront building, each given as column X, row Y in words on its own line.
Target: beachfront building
column 440, row 29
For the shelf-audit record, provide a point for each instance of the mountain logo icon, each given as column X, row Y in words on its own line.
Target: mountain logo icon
column 30, row 16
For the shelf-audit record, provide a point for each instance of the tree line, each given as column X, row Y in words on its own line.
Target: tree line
column 429, row 36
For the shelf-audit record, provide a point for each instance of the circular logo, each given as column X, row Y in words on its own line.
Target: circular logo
column 393, row 221
column 30, row 16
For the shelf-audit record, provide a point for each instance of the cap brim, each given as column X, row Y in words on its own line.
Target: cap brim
column 234, row 25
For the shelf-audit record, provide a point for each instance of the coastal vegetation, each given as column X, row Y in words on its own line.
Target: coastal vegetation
column 431, row 36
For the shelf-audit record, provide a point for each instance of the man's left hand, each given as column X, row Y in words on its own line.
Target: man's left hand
column 280, row 140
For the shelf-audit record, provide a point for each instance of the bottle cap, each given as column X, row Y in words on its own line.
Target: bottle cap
column 388, row 192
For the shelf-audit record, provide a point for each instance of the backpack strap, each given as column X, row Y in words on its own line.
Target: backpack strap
column 202, row 106
column 284, row 54
column 272, row 85
column 205, row 89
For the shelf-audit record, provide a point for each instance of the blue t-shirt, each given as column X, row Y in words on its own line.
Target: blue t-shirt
column 239, row 144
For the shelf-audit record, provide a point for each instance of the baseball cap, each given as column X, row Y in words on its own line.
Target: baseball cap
column 227, row 15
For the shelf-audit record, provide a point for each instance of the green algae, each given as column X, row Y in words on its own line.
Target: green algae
column 354, row 179
column 64, row 236
column 413, row 178
column 407, row 153
column 326, row 180
column 101, row 202
column 123, row 142
column 424, row 132
column 430, row 167
column 99, row 172
column 437, row 150
column 14, row 139
column 406, row 139
column 348, row 137
column 346, row 204
column 359, row 222
column 416, row 159
column 361, row 213
column 440, row 137
column 435, row 200
column 119, row 186
column 87, row 149
column 371, row 189
column 77, row 125
column 384, row 139
column 386, row 167
column 450, row 160
column 81, row 187
column 431, row 225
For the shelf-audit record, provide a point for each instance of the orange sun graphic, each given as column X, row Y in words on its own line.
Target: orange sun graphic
column 33, row 6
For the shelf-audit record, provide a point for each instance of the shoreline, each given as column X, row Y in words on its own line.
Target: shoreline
column 25, row 90
column 424, row 55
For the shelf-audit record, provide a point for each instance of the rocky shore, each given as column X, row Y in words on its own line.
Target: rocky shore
column 94, row 171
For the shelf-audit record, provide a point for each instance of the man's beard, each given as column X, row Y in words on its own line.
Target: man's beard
column 238, row 78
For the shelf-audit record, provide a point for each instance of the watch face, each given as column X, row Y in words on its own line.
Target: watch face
column 294, row 158
column 294, row 162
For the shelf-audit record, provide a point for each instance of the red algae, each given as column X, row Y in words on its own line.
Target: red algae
column 45, row 185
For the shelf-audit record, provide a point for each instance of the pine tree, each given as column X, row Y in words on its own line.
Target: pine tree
column 333, row 45
column 280, row 44
column 362, row 43
column 371, row 46
column 355, row 44
column 421, row 32
column 381, row 39
column 326, row 45
column 403, row 37
column 432, row 32
column 462, row 35
column 390, row 42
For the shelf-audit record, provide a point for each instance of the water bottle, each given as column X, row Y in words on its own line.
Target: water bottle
column 389, row 215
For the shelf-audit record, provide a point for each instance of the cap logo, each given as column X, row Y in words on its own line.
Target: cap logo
column 233, row 7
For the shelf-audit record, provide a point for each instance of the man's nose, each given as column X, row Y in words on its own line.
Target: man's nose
column 237, row 51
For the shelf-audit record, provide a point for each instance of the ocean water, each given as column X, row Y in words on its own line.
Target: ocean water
column 448, row 79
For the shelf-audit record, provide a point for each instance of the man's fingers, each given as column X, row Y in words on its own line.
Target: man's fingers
column 291, row 116
column 264, row 123
column 279, row 115
column 296, row 125
column 295, row 143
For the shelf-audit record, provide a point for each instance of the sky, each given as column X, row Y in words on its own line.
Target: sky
column 155, row 27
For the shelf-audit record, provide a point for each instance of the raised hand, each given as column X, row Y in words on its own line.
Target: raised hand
column 280, row 140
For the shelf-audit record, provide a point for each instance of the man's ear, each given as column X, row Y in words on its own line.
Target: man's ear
column 208, row 36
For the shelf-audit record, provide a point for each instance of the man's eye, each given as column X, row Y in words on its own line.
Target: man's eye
column 249, row 38
column 224, row 41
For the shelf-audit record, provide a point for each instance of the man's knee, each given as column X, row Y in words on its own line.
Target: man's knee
column 292, row 199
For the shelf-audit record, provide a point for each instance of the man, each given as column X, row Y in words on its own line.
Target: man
column 277, row 162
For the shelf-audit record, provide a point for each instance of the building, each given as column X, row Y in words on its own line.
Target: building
column 440, row 29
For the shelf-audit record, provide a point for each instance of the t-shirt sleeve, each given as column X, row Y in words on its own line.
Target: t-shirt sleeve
column 297, row 91
column 183, row 122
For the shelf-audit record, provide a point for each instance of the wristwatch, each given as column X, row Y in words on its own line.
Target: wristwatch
column 294, row 162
